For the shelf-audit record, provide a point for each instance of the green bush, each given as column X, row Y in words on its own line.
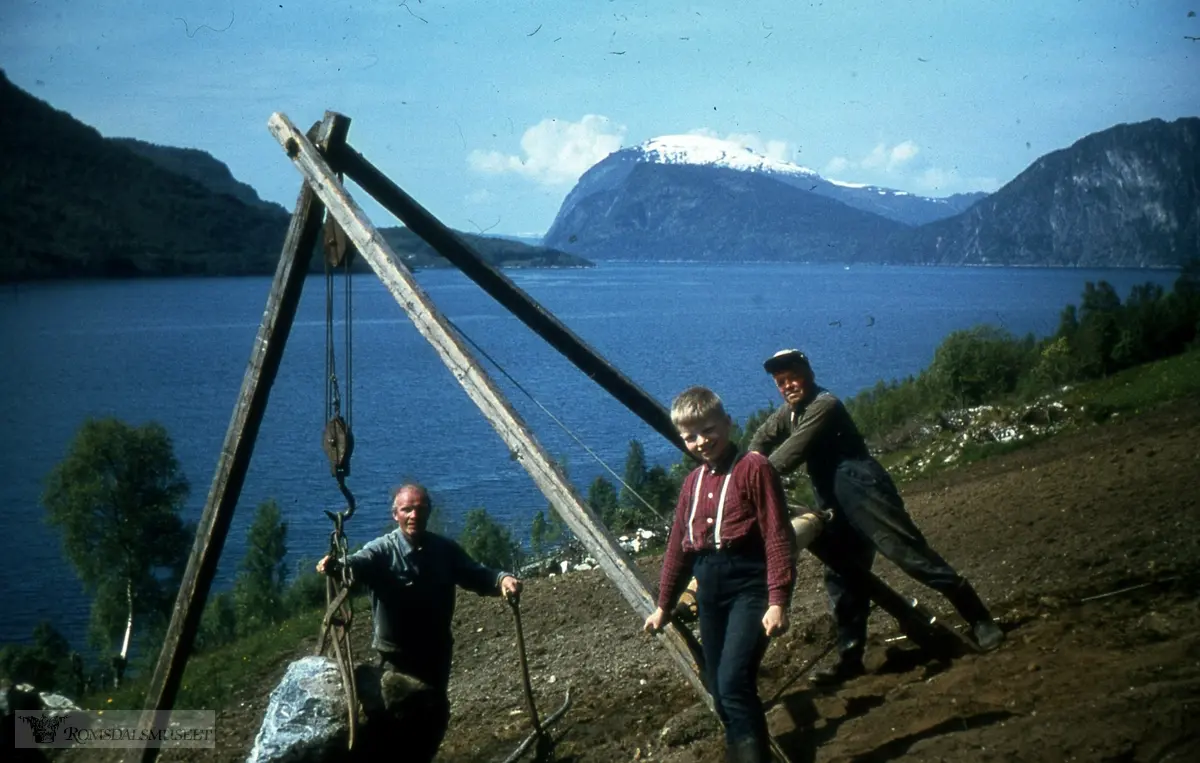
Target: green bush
column 1095, row 339
column 307, row 589
column 602, row 498
column 1054, row 364
column 218, row 623
column 977, row 365
column 46, row 664
column 488, row 542
column 258, row 592
column 889, row 406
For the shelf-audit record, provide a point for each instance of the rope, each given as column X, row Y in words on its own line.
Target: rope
column 349, row 333
column 556, row 420
column 329, row 358
column 339, row 444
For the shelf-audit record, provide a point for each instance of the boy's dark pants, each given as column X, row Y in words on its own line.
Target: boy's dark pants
column 732, row 599
column 869, row 515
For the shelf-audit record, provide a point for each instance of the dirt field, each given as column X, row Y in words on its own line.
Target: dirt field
column 1039, row 532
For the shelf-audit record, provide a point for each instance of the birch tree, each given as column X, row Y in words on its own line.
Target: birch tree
column 116, row 499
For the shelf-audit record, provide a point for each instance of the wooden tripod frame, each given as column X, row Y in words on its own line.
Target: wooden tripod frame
column 319, row 160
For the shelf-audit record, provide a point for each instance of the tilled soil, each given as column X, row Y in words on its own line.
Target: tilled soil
column 1087, row 546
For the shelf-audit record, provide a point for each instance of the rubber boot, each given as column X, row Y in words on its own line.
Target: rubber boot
column 849, row 665
column 748, row 750
column 984, row 629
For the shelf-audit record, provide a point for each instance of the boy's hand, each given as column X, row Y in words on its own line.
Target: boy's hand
column 327, row 565
column 775, row 622
column 655, row 622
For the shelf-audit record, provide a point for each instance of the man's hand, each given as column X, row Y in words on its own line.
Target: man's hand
column 327, row 565
column 775, row 622
column 656, row 621
column 510, row 587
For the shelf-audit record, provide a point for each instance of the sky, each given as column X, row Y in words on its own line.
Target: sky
column 488, row 112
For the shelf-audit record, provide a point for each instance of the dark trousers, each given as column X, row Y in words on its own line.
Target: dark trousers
column 429, row 662
column 869, row 516
column 428, row 725
column 731, row 600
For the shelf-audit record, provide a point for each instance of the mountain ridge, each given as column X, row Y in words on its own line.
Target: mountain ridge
column 666, row 209
column 698, row 150
column 75, row 204
column 1127, row 196
column 1122, row 197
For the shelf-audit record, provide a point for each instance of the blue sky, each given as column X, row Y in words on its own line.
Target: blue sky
column 487, row 112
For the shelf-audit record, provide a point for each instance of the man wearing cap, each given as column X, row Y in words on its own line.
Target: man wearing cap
column 814, row 428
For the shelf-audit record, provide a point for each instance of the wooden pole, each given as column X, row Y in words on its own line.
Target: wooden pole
column 449, row 245
column 235, row 455
column 481, row 389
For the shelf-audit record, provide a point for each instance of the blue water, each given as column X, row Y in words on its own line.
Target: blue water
column 176, row 350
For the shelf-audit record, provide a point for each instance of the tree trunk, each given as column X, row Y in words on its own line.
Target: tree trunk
column 122, row 658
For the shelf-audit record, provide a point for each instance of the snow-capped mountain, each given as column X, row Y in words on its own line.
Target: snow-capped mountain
column 704, row 151
column 1114, row 198
column 626, row 209
column 700, row 149
column 694, row 197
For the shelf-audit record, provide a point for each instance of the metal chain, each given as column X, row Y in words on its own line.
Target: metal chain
column 339, row 616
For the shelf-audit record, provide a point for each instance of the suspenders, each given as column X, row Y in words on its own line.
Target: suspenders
column 720, row 504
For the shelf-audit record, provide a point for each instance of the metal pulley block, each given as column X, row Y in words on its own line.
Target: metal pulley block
column 338, row 443
column 338, row 249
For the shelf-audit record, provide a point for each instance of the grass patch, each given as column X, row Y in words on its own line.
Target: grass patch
column 248, row 661
column 978, row 451
column 251, row 661
column 1126, row 393
column 1140, row 388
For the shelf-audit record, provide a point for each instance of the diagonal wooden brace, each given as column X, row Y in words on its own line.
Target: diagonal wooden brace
column 482, row 390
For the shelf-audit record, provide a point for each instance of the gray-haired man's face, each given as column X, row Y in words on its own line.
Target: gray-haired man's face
column 410, row 509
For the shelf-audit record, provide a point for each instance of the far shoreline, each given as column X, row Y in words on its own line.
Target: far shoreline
column 594, row 264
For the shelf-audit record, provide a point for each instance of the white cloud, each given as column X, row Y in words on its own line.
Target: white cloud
column 837, row 165
column 901, row 166
column 479, row 196
column 882, row 158
column 902, row 153
column 554, row 151
column 939, row 182
column 779, row 150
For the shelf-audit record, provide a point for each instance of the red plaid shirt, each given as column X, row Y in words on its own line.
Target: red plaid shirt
column 739, row 502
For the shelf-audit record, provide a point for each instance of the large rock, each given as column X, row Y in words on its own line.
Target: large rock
column 14, row 699
column 306, row 719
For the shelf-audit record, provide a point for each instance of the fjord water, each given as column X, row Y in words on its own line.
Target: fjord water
column 175, row 351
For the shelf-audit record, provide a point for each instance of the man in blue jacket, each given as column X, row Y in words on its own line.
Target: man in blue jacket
column 411, row 575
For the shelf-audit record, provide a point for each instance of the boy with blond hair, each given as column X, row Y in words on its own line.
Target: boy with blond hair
column 732, row 532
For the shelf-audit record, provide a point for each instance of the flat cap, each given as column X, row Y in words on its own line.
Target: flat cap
column 785, row 359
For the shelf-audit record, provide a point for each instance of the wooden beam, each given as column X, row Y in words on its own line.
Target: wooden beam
column 482, row 390
column 213, row 528
column 462, row 255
